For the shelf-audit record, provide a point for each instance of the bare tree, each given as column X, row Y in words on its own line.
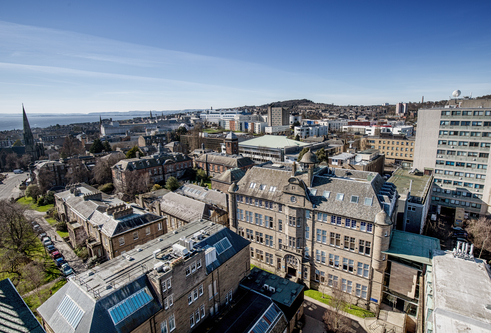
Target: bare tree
column 334, row 319
column 71, row 146
column 480, row 233
column 102, row 169
column 33, row 273
column 45, row 179
column 77, row 172
column 11, row 161
column 17, row 239
column 134, row 182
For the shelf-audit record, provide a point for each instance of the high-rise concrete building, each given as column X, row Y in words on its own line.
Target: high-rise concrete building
column 455, row 143
column 401, row 108
column 278, row 116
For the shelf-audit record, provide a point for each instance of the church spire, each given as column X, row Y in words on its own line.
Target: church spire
column 28, row 138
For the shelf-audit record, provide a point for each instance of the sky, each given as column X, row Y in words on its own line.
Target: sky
column 95, row 56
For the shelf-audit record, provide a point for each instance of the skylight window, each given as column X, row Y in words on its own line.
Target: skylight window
column 326, row 194
column 130, row 305
column 222, row 245
column 354, row 199
column 262, row 187
column 272, row 189
column 253, row 185
column 339, row 197
column 368, row 201
column 313, row 191
column 70, row 311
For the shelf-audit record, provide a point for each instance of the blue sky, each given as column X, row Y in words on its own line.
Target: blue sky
column 89, row 56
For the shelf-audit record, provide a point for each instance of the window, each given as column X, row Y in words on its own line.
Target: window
column 368, row 201
column 346, row 242
column 188, row 270
column 172, row 323
column 363, row 226
column 252, row 185
column 163, row 327
column 365, row 270
column 307, row 214
column 269, row 240
column 358, row 290
column 338, row 240
column 280, row 225
column 352, row 244
column 307, row 232
column 121, row 241
column 369, row 227
column 262, row 187
column 326, row 194
column 147, row 230
column 126, row 307
column 135, row 235
column 367, row 248
column 159, row 226
column 339, row 197
column 350, row 265
column 361, row 246
column 345, row 264
column 190, row 298
column 197, row 316
column 202, row 311
column 353, row 224
column 332, row 238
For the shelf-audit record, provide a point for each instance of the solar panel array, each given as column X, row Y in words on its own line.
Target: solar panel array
column 222, row 245
column 267, row 320
column 130, row 305
column 70, row 311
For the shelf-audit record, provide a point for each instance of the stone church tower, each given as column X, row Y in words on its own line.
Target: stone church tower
column 34, row 149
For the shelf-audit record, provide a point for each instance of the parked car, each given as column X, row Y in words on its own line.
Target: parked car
column 45, row 238
column 18, row 171
column 459, row 234
column 51, row 248
column 47, row 243
column 56, row 254
column 60, row 261
column 66, row 269
column 42, row 235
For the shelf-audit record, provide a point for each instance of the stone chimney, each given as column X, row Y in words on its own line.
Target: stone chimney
column 311, row 175
column 294, row 169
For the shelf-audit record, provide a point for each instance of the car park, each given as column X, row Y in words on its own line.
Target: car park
column 51, row 248
column 66, row 269
column 56, row 255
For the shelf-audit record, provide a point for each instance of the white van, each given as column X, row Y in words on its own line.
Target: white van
column 18, row 171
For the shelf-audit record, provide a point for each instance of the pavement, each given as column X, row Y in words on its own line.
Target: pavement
column 9, row 188
column 73, row 260
column 314, row 310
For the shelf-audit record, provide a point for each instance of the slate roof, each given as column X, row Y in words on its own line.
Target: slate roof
column 212, row 197
column 96, row 315
column 237, row 242
column 348, row 182
column 184, row 208
column 232, row 161
column 149, row 161
column 15, row 315
column 113, row 227
column 230, row 176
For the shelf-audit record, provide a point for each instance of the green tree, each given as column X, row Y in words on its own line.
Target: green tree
column 181, row 130
column 33, row 191
column 321, row 155
column 172, row 184
column 303, row 152
column 156, row 187
column 132, row 152
column 201, row 175
column 107, row 146
column 17, row 143
column 96, row 147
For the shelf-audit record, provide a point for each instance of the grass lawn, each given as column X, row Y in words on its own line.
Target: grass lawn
column 252, row 266
column 354, row 310
column 208, row 183
column 51, row 271
column 51, row 221
column 27, row 201
column 62, row 233
column 36, row 299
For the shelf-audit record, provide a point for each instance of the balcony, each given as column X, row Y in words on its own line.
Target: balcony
column 291, row 249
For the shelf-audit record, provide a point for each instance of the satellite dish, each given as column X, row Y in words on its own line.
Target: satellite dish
column 358, row 158
column 456, row 93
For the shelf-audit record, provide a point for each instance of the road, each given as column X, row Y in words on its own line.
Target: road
column 73, row 260
column 9, row 188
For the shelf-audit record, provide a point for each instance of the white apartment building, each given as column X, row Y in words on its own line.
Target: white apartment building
column 306, row 131
column 455, row 143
